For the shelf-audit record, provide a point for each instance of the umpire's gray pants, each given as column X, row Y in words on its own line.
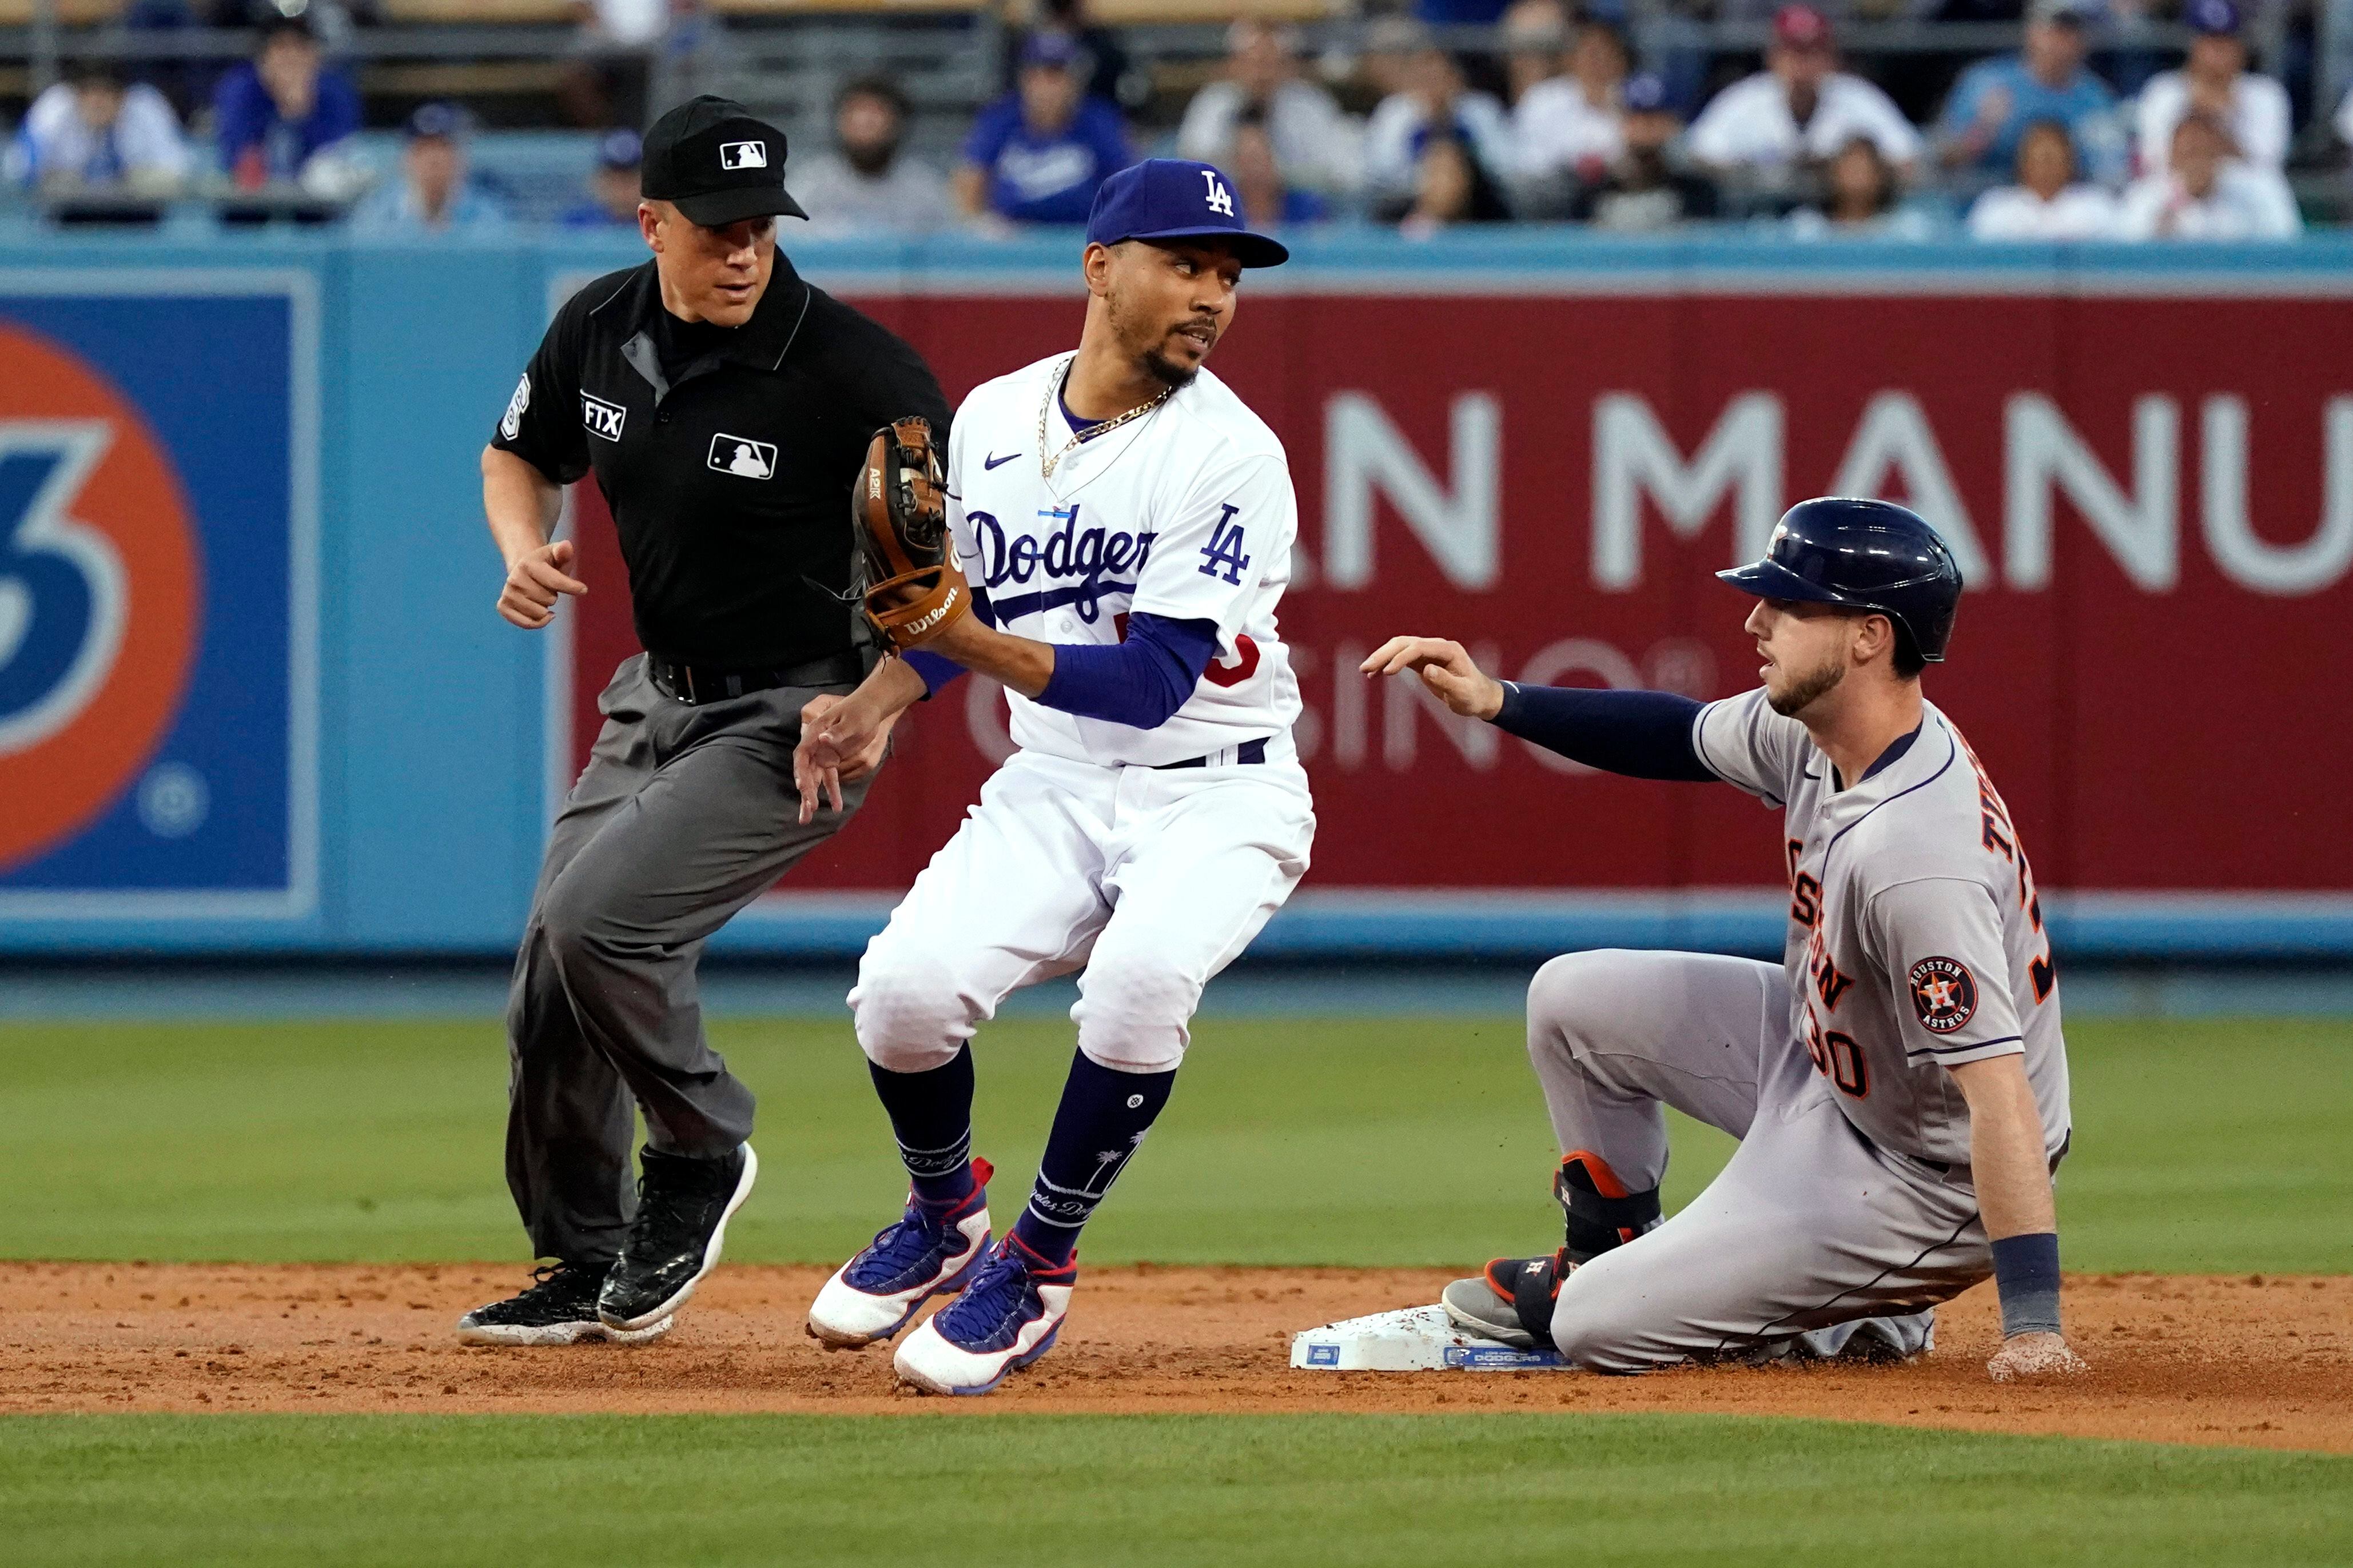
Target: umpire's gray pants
column 1809, row 1231
column 683, row 815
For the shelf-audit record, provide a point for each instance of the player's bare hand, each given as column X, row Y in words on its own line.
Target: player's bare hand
column 842, row 741
column 2028, row 1358
column 535, row 580
column 1446, row 667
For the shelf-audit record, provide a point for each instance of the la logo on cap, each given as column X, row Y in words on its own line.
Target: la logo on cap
column 1221, row 199
column 735, row 155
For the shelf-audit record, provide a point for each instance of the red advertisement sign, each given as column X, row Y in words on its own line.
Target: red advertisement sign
column 2152, row 496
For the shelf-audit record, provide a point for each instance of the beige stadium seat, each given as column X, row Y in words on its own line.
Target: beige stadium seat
column 843, row 7
column 72, row 13
column 508, row 12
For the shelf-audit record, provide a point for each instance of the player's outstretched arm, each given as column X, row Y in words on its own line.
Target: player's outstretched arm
column 1641, row 734
column 2013, row 1183
column 1446, row 667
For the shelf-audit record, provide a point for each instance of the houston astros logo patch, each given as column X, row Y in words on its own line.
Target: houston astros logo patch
column 1944, row 993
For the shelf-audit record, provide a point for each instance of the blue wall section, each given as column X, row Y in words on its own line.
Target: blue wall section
column 430, row 751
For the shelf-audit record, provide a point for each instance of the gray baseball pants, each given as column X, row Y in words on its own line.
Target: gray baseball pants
column 684, row 815
column 1807, row 1232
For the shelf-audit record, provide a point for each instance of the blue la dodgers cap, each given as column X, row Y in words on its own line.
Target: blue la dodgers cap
column 436, row 121
column 1173, row 199
column 2217, row 19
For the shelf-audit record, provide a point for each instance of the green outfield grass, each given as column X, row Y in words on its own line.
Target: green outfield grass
column 1025, row 1491
column 2199, row 1146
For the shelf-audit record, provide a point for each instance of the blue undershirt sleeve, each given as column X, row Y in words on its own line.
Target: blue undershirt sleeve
column 1642, row 734
column 1138, row 683
column 938, row 670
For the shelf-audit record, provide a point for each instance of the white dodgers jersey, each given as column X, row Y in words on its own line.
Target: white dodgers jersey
column 1186, row 512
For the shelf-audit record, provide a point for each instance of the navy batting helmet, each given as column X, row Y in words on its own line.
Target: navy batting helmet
column 1866, row 555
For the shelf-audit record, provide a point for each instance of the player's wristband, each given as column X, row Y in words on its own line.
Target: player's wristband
column 2026, row 1272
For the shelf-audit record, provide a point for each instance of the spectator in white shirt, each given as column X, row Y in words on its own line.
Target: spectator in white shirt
column 90, row 132
column 1451, row 187
column 1800, row 109
column 865, row 183
column 1574, row 125
column 2214, row 82
column 1431, row 102
column 2047, row 203
column 2345, row 117
column 1862, row 199
column 2204, row 194
column 1536, row 44
column 1318, row 146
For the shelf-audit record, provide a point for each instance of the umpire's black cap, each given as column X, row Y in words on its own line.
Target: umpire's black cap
column 715, row 162
column 1866, row 555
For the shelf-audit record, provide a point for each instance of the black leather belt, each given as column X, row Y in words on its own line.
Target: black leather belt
column 1248, row 753
column 695, row 684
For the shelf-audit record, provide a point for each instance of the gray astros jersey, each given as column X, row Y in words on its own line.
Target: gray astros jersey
column 1915, row 938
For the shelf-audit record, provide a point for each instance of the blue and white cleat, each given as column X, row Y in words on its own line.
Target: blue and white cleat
column 1005, row 1319
column 926, row 1253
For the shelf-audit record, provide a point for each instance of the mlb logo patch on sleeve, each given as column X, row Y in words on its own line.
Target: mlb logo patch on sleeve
column 733, row 155
column 742, row 457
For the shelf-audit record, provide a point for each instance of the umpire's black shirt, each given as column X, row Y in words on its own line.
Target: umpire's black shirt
column 726, row 455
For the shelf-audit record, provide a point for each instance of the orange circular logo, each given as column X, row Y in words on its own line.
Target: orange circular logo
column 100, row 585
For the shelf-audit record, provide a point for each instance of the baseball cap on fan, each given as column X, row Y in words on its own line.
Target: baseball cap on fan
column 716, row 164
column 1177, row 198
column 2061, row 13
column 1801, row 27
column 2215, row 18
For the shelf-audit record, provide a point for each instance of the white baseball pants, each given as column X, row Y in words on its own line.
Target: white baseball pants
column 1152, row 879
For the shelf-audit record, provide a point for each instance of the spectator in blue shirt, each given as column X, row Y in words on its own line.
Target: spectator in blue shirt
column 1995, row 100
column 613, row 186
column 435, row 193
column 277, row 113
column 1037, row 154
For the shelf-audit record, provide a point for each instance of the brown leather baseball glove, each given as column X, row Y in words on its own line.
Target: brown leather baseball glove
column 913, row 589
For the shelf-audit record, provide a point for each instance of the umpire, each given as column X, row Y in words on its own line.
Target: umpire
column 724, row 407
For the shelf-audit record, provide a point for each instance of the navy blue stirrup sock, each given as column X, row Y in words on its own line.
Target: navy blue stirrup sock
column 1104, row 1114
column 930, row 1114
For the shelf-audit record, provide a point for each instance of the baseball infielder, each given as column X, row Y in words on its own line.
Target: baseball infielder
column 1898, row 1083
column 1127, row 525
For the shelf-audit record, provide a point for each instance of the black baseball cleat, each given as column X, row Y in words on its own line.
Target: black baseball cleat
column 683, row 1205
column 558, row 1308
column 1511, row 1303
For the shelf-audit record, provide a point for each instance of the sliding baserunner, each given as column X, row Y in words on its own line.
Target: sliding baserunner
column 1898, row 1083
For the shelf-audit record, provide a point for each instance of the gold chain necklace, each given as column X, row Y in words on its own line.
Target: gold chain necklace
column 1054, row 385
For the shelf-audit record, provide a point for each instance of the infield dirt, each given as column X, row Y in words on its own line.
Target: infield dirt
column 2250, row 1361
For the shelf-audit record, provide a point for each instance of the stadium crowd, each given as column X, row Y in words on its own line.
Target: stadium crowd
column 1555, row 119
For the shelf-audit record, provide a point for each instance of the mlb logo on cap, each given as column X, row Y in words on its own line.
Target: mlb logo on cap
column 718, row 163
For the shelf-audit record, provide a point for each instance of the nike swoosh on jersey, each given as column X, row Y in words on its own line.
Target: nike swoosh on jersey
column 995, row 462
